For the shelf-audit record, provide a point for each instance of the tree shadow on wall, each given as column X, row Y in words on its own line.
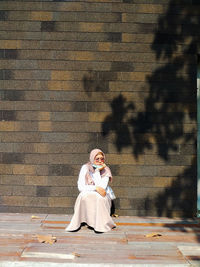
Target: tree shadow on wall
column 173, row 105
column 97, row 81
column 169, row 116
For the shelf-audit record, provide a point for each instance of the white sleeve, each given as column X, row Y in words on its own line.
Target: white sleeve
column 81, row 181
column 100, row 181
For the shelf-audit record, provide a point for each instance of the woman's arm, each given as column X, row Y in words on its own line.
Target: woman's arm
column 100, row 181
column 81, row 181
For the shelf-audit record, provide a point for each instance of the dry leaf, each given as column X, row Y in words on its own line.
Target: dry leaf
column 132, row 257
column 123, row 240
column 46, row 239
column 115, row 215
column 35, row 217
column 76, row 254
column 153, row 235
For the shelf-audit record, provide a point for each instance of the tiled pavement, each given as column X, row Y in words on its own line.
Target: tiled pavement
column 176, row 242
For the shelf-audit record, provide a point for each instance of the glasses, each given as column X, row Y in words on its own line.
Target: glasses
column 99, row 159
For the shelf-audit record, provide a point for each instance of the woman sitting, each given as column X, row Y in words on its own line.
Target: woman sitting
column 93, row 204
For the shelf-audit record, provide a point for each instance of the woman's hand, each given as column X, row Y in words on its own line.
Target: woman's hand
column 102, row 167
column 101, row 191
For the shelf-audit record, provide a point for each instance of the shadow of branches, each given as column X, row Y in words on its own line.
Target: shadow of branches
column 167, row 123
column 169, row 117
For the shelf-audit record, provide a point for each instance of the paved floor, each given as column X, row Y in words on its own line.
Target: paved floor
column 137, row 241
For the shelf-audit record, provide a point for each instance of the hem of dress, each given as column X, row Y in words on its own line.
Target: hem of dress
column 99, row 231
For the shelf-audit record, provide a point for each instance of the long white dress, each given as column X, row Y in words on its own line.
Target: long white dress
column 90, row 207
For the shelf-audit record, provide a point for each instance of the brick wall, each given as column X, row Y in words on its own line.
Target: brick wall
column 118, row 75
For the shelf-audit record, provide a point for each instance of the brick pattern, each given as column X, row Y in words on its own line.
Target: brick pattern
column 79, row 75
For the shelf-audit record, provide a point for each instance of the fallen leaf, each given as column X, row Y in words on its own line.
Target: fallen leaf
column 76, row 254
column 35, row 217
column 123, row 240
column 132, row 257
column 153, row 235
column 115, row 215
column 46, row 239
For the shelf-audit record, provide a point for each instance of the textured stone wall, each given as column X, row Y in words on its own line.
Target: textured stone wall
column 118, row 75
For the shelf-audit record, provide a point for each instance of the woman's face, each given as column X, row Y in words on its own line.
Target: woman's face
column 99, row 159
